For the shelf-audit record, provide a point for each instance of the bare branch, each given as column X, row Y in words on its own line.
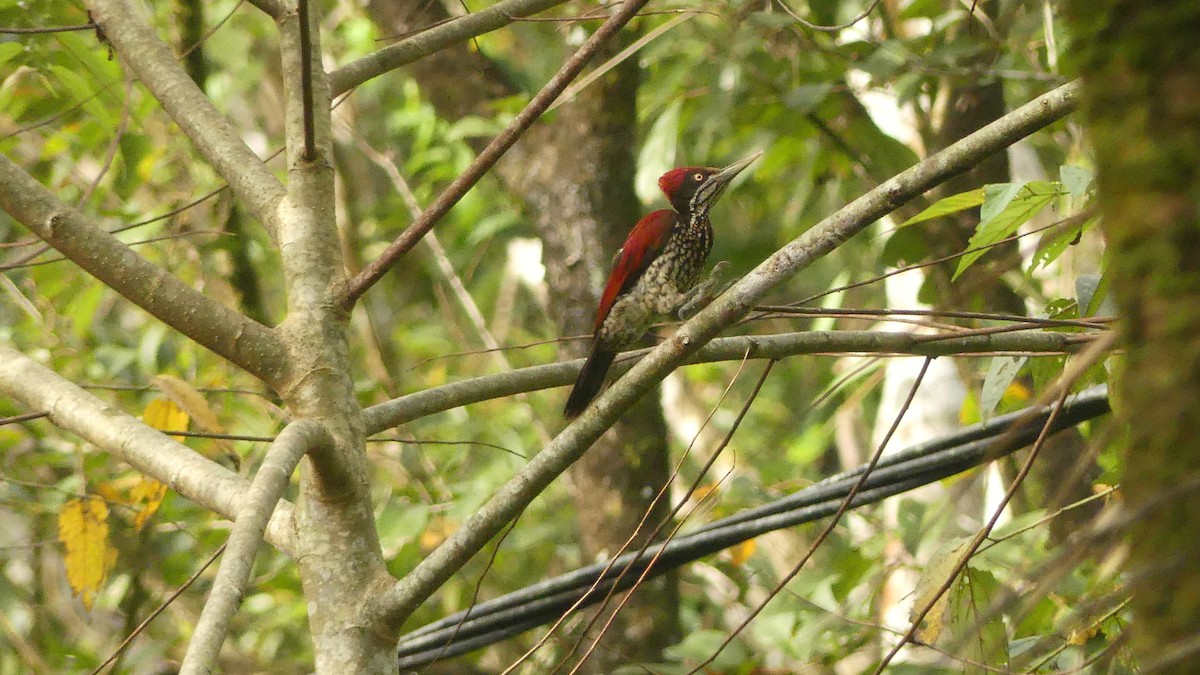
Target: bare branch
column 494, row 150
column 210, row 131
column 13, row 30
column 306, row 82
column 449, row 396
column 275, row 9
column 433, row 40
column 127, row 438
column 397, row 602
column 244, row 342
column 232, row 578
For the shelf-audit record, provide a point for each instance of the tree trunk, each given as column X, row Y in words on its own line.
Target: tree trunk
column 1142, row 100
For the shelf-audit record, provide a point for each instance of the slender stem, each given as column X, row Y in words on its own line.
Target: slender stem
column 226, row 332
column 449, row 396
column 130, row 440
column 306, row 88
column 374, row 271
column 209, row 130
column 233, row 576
column 427, row 42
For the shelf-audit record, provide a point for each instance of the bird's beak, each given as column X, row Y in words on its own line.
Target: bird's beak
column 725, row 175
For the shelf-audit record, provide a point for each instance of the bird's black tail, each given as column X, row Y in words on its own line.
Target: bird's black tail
column 591, row 378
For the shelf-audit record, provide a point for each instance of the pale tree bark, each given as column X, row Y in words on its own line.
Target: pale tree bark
column 1142, row 100
column 339, row 552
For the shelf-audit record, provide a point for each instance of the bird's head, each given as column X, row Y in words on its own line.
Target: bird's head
column 692, row 190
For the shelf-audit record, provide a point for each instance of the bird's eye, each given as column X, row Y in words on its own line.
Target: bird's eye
column 698, row 177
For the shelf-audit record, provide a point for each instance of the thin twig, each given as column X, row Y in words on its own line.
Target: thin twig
column 827, row 29
column 845, row 506
column 374, row 271
column 1087, row 359
column 306, row 88
column 23, row 418
column 762, row 379
column 50, row 29
column 158, row 610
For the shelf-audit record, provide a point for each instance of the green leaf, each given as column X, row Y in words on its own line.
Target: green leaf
column 1056, row 242
column 1091, row 290
column 9, row 50
column 996, row 198
column 905, row 246
column 1001, row 372
column 947, row 205
column 985, row 638
column 1005, row 208
column 1076, row 179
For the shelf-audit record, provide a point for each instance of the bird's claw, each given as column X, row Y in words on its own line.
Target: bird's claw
column 705, row 292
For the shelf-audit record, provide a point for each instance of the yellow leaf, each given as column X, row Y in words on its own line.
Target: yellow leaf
column 149, row 493
column 740, row 553
column 190, row 401
column 436, row 532
column 1080, row 637
column 164, row 415
column 193, row 404
column 702, row 492
column 83, row 530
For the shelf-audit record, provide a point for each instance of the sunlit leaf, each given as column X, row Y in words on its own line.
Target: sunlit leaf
column 191, row 402
column 658, row 151
column 947, row 205
column 164, row 415
column 147, row 496
column 1001, row 373
column 83, row 530
column 1005, row 208
column 740, row 553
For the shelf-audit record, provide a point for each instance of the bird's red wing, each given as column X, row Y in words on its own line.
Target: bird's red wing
column 643, row 243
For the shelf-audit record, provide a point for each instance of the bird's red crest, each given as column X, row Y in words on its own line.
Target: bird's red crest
column 673, row 179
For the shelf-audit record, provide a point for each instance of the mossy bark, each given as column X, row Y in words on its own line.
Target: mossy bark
column 1141, row 71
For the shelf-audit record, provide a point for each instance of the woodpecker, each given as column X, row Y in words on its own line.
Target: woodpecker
column 655, row 272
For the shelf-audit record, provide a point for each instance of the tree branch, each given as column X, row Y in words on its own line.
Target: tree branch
column 233, row 576
column 275, row 9
column 494, row 150
column 399, row 600
column 226, row 332
column 430, row 401
column 147, row 450
column 432, row 40
column 209, row 130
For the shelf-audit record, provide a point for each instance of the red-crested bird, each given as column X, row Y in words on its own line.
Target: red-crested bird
column 656, row 271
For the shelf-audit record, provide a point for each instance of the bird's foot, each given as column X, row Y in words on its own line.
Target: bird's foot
column 705, row 292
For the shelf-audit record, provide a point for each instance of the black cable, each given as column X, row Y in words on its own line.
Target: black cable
column 494, row 620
